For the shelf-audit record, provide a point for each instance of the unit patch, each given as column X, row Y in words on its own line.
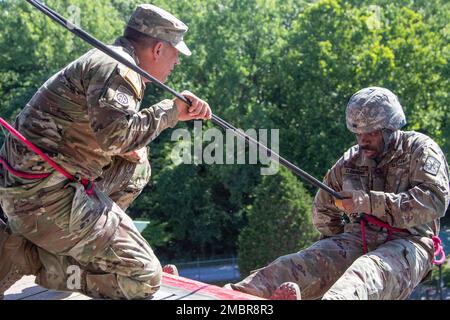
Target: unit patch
column 432, row 165
column 121, row 97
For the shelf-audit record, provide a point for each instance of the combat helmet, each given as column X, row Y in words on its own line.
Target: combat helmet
column 372, row 109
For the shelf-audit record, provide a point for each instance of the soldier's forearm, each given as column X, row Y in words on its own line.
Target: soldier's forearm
column 327, row 221
column 409, row 209
column 129, row 132
column 165, row 108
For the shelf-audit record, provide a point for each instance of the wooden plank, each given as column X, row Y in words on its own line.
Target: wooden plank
column 172, row 288
column 77, row 296
column 51, row 295
column 23, row 288
column 26, row 289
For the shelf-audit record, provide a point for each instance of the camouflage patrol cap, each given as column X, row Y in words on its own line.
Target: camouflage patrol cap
column 160, row 24
column 372, row 109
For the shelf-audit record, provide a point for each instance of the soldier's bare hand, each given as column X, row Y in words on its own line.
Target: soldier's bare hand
column 199, row 109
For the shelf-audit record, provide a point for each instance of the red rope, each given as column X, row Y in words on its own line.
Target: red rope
column 437, row 243
column 21, row 174
column 88, row 185
column 35, row 149
column 438, row 251
column 377, row 222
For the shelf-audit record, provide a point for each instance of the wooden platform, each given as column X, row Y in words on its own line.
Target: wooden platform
column 173, row 288
column 26, row 289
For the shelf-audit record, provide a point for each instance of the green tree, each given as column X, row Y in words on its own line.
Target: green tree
column 279, row 222
column 33, row 47
column 334, row 49
column 195, row 221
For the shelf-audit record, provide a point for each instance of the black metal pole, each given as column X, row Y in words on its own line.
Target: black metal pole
column 217, row 120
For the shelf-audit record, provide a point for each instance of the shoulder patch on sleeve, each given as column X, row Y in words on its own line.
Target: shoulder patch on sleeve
column 432, row 165
column 122, row 96
column 135, row 81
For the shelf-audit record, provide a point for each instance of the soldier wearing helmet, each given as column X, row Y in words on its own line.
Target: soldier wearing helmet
column 399, row 181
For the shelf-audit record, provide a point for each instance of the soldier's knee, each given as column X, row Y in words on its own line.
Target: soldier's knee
column 143, row 285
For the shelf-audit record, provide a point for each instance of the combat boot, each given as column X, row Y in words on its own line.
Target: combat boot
column 287, row 291
column 16, row 258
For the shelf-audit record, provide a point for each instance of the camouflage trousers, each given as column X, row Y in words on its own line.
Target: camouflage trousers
column 86, row 243
column 336, row 268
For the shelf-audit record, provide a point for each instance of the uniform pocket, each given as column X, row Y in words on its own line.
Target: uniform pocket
column 86, row 210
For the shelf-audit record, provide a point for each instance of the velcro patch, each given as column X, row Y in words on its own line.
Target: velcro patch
column 432, row 165
column 359, row 172
column 122, row 97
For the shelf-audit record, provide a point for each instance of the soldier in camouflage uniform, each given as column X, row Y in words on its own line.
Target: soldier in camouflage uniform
column 88, row 119
column 398, row 177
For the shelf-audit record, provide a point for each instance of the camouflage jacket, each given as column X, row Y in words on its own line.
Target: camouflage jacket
column 87, row 113
column 409, row 188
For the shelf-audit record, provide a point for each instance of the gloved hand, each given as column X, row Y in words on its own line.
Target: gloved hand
column 356, row 201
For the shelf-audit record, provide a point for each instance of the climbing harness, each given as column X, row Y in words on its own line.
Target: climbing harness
column 369, row 219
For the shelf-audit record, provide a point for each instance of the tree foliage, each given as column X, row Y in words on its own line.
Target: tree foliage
column 335, row 49
column 283, row 64
column 33, row 47
column 279, row 222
